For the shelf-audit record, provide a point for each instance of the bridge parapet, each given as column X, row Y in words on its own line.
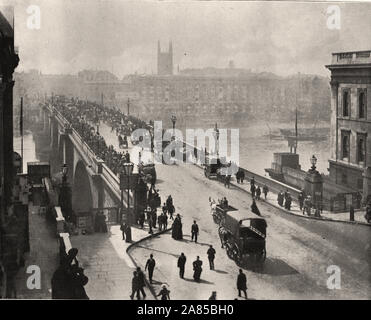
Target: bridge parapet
column 96, row 166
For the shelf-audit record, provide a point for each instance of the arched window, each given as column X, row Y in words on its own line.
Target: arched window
column 362, row 104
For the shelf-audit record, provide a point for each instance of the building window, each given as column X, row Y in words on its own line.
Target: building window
column 359, row 184
column 346, row 103
column 344, row 178
column 361, row 148
column 362, row 104
column 345, row 138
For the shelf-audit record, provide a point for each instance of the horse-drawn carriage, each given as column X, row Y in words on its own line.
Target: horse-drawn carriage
column 219, row 168
column 242, row 233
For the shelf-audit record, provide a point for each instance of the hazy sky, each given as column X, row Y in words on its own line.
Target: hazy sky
column 121, row 36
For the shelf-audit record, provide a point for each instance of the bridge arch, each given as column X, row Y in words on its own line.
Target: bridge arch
column 82, row 197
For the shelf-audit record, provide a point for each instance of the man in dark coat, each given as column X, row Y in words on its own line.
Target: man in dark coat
column 258, row 193
column 280, row 198
column 142, row 218
column 135, row 286
column 151, row 266
column 211, row 256
column 154, row 217
column 177, row 232
column 194, row 230
column 181, row 264
column 252, row 190
column 241, row 284
column 265, row 191
column 62, row 286
column 197, row 268
column 301, row 200
column 141, row 282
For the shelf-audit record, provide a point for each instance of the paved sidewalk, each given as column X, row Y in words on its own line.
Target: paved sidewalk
column 44, row 253
column 295, row 208
column 106, row 263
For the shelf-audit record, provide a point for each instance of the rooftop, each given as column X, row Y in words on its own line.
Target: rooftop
column 351, row 58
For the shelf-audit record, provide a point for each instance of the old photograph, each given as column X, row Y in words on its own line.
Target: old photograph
column 185, row 150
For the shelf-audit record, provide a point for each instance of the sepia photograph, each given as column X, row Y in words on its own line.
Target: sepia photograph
column 185, row 150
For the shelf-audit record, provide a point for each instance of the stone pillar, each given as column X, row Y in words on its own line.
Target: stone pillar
column 8, row 140
column 333, row 124
column 313, row 186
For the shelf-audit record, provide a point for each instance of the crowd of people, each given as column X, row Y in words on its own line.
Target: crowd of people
column 84, row 117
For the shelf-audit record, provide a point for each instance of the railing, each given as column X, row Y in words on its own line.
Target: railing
column 357, row 57
column 97, row 165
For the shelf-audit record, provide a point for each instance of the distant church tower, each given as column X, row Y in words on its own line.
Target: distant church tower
column 164, row 60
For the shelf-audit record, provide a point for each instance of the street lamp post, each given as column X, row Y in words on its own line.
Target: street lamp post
column 313, row 161
column 216, row 132
column 173, row 120
column 314, row 185
column 128, row 169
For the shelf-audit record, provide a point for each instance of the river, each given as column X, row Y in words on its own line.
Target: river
column 256, row 149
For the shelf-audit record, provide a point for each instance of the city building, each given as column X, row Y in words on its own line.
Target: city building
column 350, row 160
column 164, row 60
column 13, row 211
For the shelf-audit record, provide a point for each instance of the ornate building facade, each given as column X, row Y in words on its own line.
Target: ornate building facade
column 350, row 162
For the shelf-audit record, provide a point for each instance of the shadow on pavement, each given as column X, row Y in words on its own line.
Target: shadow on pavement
column 156, row 250
column 201, row 281
column 220, row 271
column 276, row 267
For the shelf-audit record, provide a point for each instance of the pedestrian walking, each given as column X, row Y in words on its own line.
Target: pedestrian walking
column 164, row 221
column 164, row 208
column 197, row 269
column 265, row 191
column 308, row 205
column 280, row 198
column 141, row 282
column 135, row 286
column 177, row 231
column 142, row 218
column 258, row 193
column 194, row 230
column 241, row 284
column 301, row 200
column 150, row 265
column 211, row 256
column 288, row 201
column 252, row 190
column 252, row 181
column 227, row 181
column 213, row 296
column 181, row 264
column 242, row 176
column 164, row 293
column 123, row 228
column 149, row 220
column 154, row 217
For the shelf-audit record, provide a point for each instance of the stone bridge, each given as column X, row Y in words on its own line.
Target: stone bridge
column 94, row 185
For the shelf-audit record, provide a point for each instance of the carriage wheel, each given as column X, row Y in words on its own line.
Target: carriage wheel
column 230, row 252
column 237, row 257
